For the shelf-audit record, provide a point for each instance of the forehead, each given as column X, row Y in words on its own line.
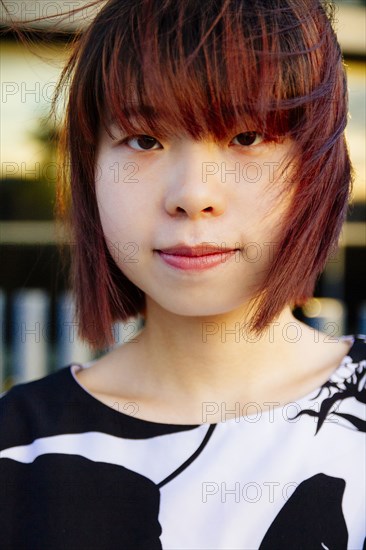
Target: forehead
column 141, row 116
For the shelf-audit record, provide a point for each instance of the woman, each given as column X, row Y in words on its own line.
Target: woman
column 209, row 180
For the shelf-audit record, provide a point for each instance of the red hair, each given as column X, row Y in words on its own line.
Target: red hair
column 206, row 66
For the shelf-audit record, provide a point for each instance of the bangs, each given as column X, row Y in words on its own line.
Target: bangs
column 205, row 68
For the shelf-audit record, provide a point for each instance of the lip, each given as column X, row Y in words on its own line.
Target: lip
column 195, row 258
column 203, row 249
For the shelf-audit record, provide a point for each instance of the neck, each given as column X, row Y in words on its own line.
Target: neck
column 209, row 355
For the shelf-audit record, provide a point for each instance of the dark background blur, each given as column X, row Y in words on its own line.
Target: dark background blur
column 36, row 313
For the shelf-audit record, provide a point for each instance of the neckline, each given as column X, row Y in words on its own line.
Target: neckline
column 250, row 418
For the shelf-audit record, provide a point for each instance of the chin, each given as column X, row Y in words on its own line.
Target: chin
column 193, row 307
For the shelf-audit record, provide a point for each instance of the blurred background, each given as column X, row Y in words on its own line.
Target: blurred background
column 38, row 330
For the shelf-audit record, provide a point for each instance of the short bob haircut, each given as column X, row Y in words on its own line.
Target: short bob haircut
column 207, row 66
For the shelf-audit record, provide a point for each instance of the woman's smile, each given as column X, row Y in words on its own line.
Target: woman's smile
column 196, row 258
column 195, row 263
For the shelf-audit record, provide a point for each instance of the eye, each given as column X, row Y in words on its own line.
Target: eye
column 145, row 142
column 249, row 138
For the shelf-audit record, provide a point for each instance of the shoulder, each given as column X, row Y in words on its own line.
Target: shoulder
column 347, row 387
column 350, row 378
column 358, row 350
column 342, row 399
column 27, row 393
column 27, row 408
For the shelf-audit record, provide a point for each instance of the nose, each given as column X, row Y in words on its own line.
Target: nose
column 195, row 189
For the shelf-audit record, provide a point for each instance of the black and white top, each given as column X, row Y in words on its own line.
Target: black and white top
column 77, row 474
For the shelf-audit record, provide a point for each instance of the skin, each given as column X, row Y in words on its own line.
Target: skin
column 186, row 353
column 170, row 201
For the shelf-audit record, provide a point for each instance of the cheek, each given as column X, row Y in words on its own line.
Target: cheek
column 121, row 234
column 111, row 203
column 124, row 219
column 261, row 213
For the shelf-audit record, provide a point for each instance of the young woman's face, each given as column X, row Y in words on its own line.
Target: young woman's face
column 155, row 195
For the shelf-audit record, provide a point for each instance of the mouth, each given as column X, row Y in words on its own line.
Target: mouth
column 203, row 249
column 196, row 258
